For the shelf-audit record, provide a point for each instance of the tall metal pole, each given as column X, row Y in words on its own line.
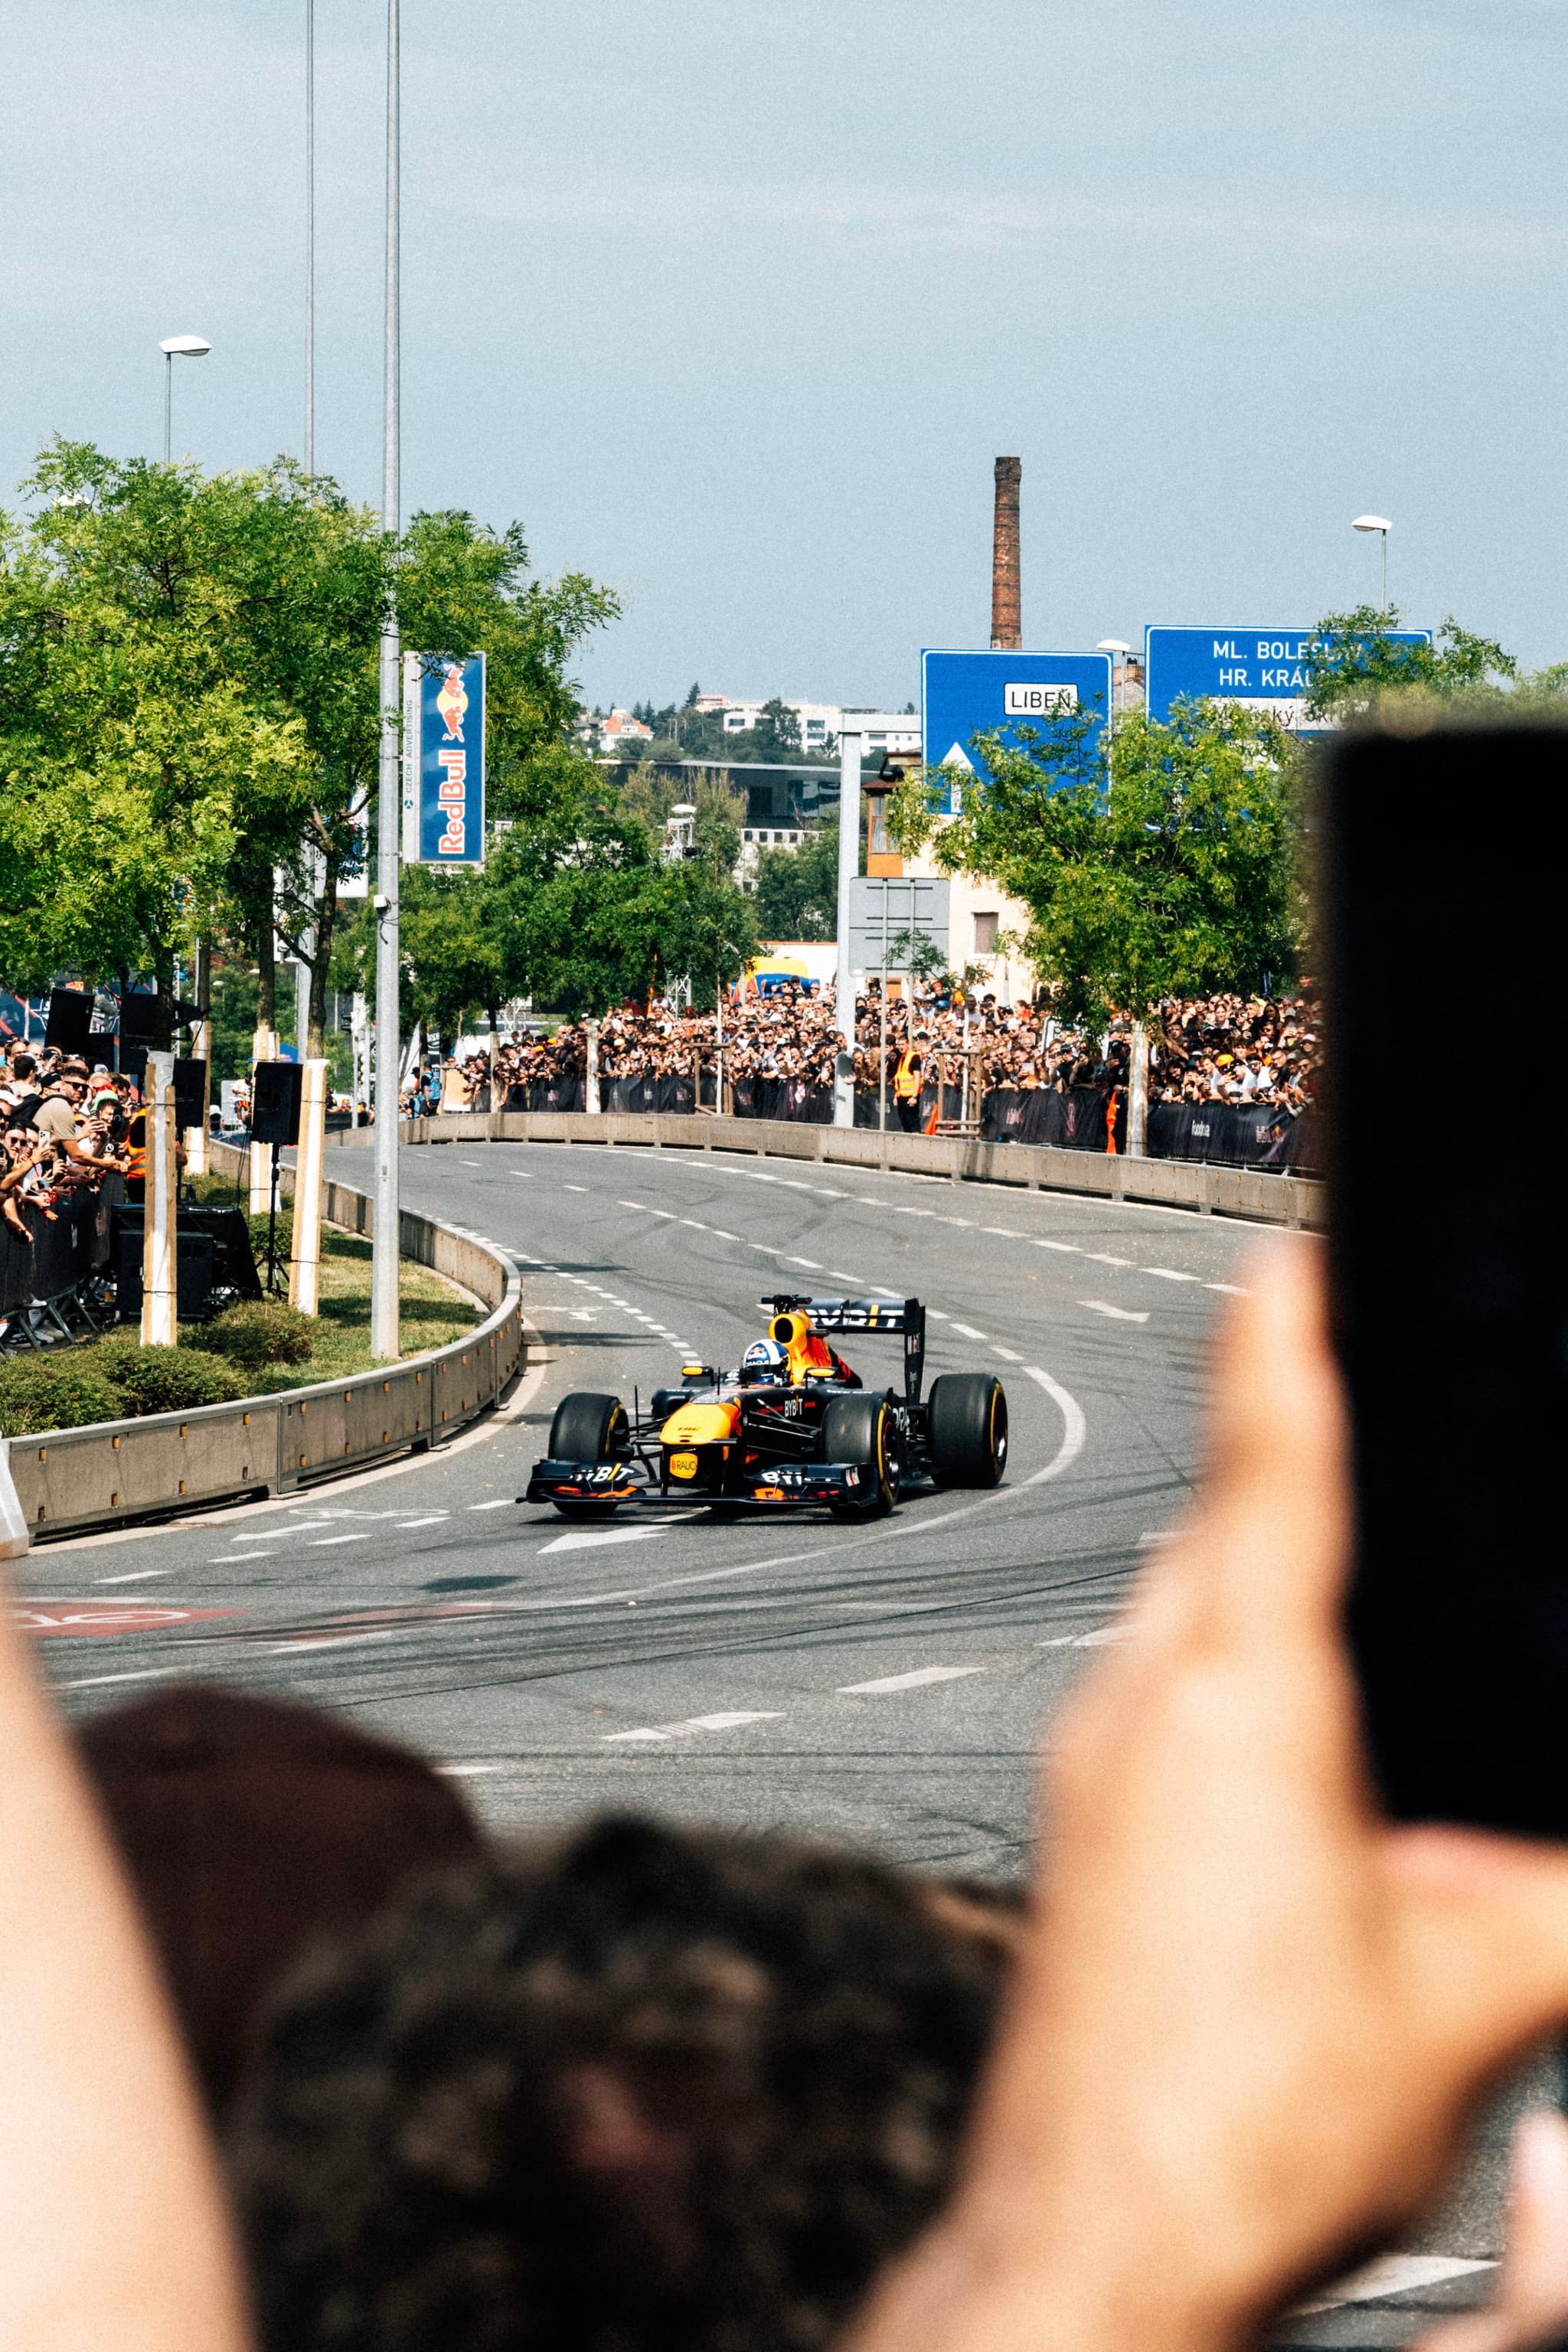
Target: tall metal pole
column 310, row 237
column 384, row 1299
column 168, row 409
column 848, row 870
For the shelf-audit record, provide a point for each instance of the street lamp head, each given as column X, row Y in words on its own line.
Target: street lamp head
column 1372, row 522
column 184, row 347
column 1114, row 645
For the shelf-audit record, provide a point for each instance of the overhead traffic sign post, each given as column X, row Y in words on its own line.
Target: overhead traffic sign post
column 1269, row 671
column 964, row 695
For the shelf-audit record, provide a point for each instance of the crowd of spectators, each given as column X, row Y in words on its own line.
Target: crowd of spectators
column 1218, row 1049
column 64, row 1127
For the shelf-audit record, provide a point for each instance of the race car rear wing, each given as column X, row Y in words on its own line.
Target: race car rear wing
column 872, row 1316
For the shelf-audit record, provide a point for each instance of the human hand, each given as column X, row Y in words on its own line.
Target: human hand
column 1530, row 2314
column 1251, row 2017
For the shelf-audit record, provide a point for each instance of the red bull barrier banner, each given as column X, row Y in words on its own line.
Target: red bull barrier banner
column 442, row 760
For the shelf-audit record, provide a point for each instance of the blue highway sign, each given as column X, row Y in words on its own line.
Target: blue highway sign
column 1266, row 670
column 967, row 694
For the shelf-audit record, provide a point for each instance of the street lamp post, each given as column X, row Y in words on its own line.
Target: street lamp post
column 177, row 347
column 310, row 236
column 1138, row 1047
column 384, row 1285
column 1381, row 524
column 1118, row 649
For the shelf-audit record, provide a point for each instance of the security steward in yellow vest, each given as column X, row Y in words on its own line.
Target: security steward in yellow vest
column 907, row 1079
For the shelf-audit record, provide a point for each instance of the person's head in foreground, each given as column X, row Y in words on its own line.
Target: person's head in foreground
column 646, row 2086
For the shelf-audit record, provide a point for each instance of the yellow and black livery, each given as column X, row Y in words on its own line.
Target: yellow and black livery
column 799, row 1431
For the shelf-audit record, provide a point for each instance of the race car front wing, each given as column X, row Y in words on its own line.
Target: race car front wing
column 800, row 1483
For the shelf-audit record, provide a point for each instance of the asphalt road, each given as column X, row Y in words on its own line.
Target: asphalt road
column 888, row 1684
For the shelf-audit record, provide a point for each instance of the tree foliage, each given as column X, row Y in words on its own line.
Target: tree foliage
column 1356, row 662
column 796, row 893
column 1167, row 874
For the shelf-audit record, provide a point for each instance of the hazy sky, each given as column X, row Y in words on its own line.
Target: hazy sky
column 734, row 304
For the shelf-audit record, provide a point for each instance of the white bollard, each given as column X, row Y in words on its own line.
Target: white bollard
column 264, row 1048
column 591, row 1081
column 305, row 1259
column 14, row 1540
column 160, row 1302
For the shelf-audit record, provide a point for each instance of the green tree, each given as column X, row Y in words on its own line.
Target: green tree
column 796, row 892
column 1355, row 661
column 1170, row 875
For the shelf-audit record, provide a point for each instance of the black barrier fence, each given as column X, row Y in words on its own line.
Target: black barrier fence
column 1232, row 1135
column 66, row 1249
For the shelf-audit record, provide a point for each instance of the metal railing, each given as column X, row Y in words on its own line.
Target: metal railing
column 70, row 1480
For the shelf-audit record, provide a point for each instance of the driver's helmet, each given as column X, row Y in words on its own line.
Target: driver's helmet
column 764, row 1360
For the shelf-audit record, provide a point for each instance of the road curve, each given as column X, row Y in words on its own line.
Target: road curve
column 886, row 1683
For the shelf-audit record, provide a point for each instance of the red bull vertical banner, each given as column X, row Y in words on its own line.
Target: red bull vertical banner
column 442, row 760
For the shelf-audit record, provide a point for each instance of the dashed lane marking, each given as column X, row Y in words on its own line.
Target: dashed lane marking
column 915, row 1679
column 140, row 1575
column 465, row 1772
column 1392, row 2275
column 587, row 1542
column 1007, row 1354
column 571, row 1188
column 501, row 1504
column 1231, row 1289
column 1169, row 1274
column 136, row 1675
column 666, row 1731
column 432, row 1520
column 967, row 1331
column 226, row 1559
column 1117, row 1314
column 320, row 1543
column 810, row 1264
column 1103, row 1257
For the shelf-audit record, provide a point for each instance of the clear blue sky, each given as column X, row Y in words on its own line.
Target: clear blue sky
column 734, row 304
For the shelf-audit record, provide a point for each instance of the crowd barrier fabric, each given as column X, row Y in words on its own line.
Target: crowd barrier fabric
column 64, row 1250
column 1232, row 1135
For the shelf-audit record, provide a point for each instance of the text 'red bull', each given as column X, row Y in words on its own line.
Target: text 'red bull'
column 452, row 792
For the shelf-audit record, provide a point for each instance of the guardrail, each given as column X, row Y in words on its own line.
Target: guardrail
column 1208, row 1189
column 71, row 1480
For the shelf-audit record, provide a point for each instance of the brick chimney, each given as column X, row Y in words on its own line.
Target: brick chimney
column 1006, row 622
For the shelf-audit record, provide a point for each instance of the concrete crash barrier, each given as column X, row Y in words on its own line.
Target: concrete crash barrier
column 1203, row 1187
column 67, row 1481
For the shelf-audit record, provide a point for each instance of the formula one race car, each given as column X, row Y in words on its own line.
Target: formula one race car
column 791, row 1427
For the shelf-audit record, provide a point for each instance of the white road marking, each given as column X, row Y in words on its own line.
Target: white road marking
column 140, row 1575
column 1075, row 1429
column 696, row 1224
column 435, row 1517
column 1392, row 2274
column 1103, row 1257
column 880, row 1293
column 586, row 1542
column 1231, row 1289
column 1007, row 1354
column 1118, row 1314
column 319, row 1543
column 668, row 1214
column 229, row 1559
column 967, row 1331
column 524, row 1173
column 1005, row 1231
column 1169, row 1274
column 480, row 1163
column 1071, row 1248
column 465, row 1772
column 502, row 1504
column 809, row 1263
column 99, row 1682
column 1095, row 1641
column 631, row 1204
column 570, row 1188
column 666, row 1731
column 935, row 1315
column 915, row 1680
column 330, row 1642
column 721, row 1234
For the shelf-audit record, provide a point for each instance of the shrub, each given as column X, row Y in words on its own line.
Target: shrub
column 259, row 1331
column 163, row 1379
column 53, row 1393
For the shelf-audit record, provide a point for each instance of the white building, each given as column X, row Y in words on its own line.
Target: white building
column 621, row 735
column 822, row 723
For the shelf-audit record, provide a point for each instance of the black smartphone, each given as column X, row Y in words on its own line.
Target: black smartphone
column 1444, row 904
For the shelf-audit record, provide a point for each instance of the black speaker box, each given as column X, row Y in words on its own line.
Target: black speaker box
column 138, row 1018
column 70, row 1020
column 275, row 1089
column 190, row 1086
column 193, row 1274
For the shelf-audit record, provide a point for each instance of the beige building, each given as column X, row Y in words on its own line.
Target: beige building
column 979, row 915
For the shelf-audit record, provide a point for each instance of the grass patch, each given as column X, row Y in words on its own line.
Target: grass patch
column 432, row 1312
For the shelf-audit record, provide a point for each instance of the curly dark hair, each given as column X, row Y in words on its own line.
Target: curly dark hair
column 646, row 2087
